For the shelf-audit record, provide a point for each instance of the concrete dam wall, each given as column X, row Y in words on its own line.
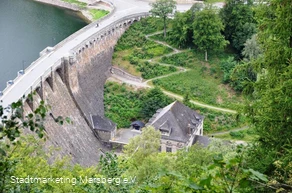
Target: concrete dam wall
column 74, row 89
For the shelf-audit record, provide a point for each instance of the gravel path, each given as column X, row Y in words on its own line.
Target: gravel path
column 226, row 132
column 145, row 84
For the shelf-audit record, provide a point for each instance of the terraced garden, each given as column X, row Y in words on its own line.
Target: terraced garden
column 203, row 82
column 182, row 72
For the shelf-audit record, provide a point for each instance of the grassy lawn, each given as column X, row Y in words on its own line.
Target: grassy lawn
column 244, row 135
column 201, row 87
column 132, row 63
column 98, row 13
column 203, row 82
column 120, row 60
column 216, row 121
column 76, row 2
column 148, row 50
column 150, row 70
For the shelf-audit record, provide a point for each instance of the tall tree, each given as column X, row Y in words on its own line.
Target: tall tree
column 181, row 33
column 271, row 109
column 152, row 101
column 162, row 8
column 239, row 22
column 207, row 31
column 251, row 49
column 140, row 150
column 145, row 144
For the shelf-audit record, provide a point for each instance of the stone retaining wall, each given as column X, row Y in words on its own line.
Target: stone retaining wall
column 120, row 72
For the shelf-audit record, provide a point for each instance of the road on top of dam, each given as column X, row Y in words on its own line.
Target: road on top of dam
column 122, row 8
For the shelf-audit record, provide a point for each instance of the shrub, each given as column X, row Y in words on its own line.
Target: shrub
column 176, row 59
column 135, row 36
column 133, row 60
column 123, row 106
column 212, row 71
column 236, row 134
column 227, row 66
column 153, row 70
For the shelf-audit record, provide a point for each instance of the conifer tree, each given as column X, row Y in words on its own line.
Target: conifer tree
column 270, row 109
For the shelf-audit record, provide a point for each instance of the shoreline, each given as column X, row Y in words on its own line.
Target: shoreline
column 59, row 3
column 81, row 12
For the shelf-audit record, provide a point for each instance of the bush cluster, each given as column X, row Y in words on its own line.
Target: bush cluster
column 237, row 134
column 218, row 121
column 123, row 106
column 149, row 50
column 153, row 70
column 176, row 59
column 135, row 36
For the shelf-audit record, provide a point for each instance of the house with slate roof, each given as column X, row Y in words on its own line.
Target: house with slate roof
column 179, row 125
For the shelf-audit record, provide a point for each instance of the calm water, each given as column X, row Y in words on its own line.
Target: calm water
column 26, row 28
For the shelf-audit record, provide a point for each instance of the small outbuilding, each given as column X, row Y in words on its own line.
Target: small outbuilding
column 104, row 128
column 137, row 125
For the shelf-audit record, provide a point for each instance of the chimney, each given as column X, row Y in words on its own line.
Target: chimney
column 189, row 129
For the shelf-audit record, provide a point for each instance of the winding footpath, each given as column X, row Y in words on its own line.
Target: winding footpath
column 146, row 84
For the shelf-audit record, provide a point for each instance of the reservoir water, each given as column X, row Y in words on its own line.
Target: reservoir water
column 26, row 28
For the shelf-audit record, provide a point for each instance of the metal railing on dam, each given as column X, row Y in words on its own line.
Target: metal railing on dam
column 106, row 29
column 40, row 69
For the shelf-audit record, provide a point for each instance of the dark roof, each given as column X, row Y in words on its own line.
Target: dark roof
column 138, row 123
column 202, row 140
column 102, row 123
column 177, row 120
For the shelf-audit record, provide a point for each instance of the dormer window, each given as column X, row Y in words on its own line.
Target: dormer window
column 165, row 132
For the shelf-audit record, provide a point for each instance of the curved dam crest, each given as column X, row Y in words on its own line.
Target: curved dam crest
column 70, row 78
column 74, row 89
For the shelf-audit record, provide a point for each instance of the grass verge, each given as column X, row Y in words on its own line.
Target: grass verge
column 98, row 13
column 244, row 135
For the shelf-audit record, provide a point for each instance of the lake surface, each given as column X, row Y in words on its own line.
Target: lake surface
column 26, row 28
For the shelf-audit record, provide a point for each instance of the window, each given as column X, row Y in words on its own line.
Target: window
column 168, row 149
column 159, row 149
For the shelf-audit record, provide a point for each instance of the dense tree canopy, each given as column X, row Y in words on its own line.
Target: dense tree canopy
column 207, row 31
column 238, row 19
column 251, row 49
column 181, row 33
column 270, row 110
